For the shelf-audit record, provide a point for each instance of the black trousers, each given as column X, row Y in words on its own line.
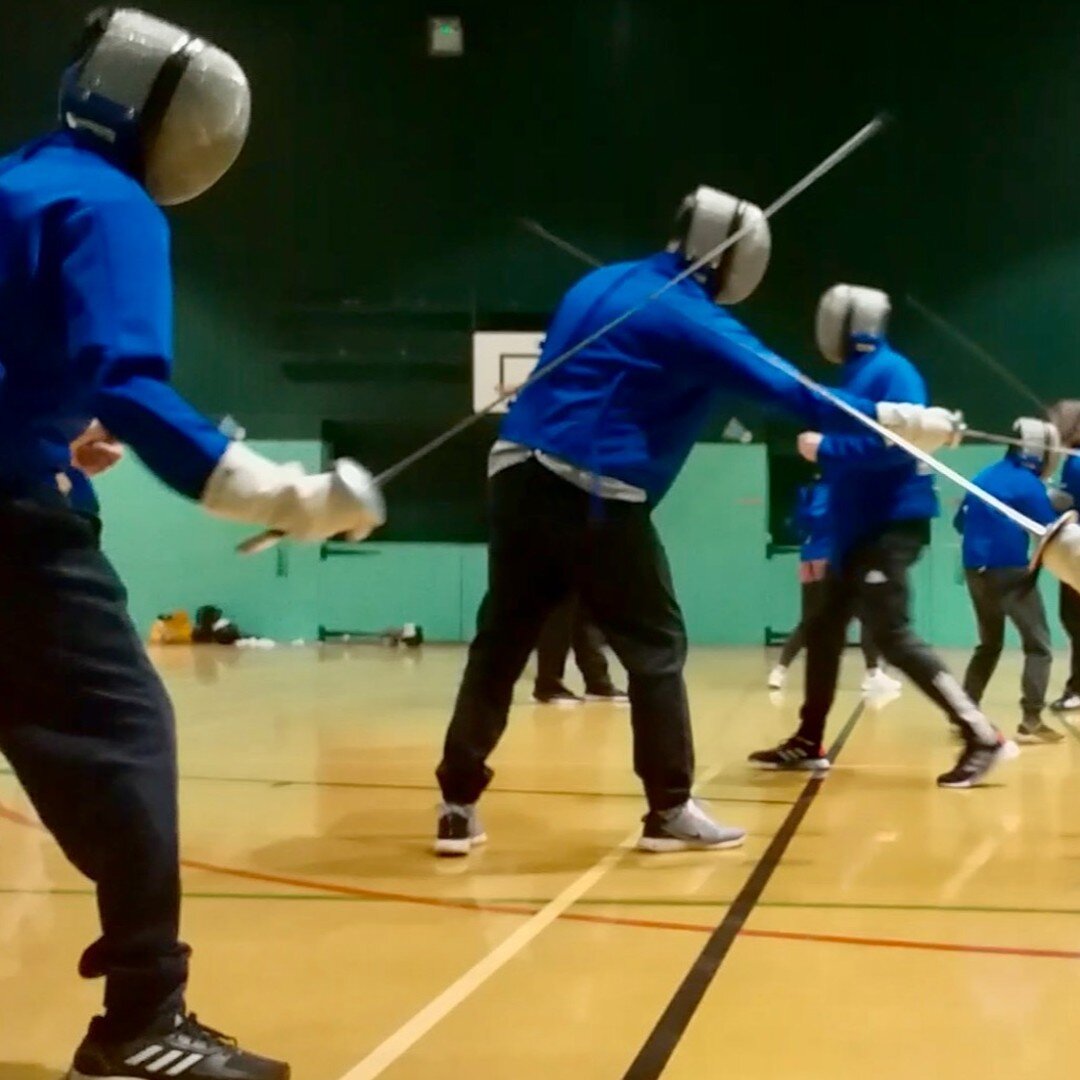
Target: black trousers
column 997, row 595
column 549, row 540
column 814, row 594
column 89, row 732
column 1069, row 610
column 873, row 580
column 569, row 627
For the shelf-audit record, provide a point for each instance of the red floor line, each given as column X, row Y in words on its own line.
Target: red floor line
column 356, row 890
column 603, row 920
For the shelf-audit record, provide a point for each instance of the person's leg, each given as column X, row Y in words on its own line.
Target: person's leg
column 588, row 646
column 1069, row 612
column 625, row 585
column 985, row 590
column 794, row 644
column 826, row 636
column 552, row 647
column 812, row 576
column 826, row 631
column 536, row 520
column 810, row 592
column 88, row 730
column 1024, row 606
column 871, row 652
column 624, row 581
column 884, row 592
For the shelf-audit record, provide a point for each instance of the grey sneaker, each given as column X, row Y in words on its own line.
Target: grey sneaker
column 686, row 828
column 1033, row 732
column 459, row 830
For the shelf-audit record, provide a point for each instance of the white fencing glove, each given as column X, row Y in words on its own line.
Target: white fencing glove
column 926, row 426
column 247, row 487
column 1059, row 550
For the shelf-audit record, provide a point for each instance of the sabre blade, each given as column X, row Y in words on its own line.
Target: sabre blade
column 976, row 350
column 1012, row 440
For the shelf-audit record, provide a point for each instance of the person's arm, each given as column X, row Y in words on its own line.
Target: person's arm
column 96, row 450
column 1034, row 501
column 116, row 287
column 707, row 335
column 117, row 291
column 960, row 520
column 868, row 452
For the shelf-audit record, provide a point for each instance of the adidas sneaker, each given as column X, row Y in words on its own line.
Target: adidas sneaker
column 181, row 1048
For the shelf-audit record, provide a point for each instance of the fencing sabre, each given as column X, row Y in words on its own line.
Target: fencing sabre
column 841, row 153
column 976, row 350
column 984, row 356
column 1042, row 534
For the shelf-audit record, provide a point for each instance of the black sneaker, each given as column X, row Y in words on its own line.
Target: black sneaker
column 459, row 830
column 185, row 1049
column 1068, row 702
column 558, row 696
column 793, row 753
column 1034, row 732
column 976, row 760
column 610, row 693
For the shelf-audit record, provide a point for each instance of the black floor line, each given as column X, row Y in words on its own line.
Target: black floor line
column 654, row 1055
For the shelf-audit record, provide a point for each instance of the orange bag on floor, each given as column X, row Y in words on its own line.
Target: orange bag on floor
column 171, row 629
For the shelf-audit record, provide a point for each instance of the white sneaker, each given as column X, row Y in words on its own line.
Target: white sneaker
column 777, row 677
column 877, row 682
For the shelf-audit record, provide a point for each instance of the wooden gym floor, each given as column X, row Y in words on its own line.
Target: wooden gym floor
column 872, row 927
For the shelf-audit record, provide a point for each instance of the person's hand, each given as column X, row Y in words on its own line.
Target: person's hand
column 95, row 450
column 809, row 443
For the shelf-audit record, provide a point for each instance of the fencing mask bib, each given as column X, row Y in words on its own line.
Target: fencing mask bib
column 851, row 319
column 709, row 217
column 1041, row 451
column 172, row 104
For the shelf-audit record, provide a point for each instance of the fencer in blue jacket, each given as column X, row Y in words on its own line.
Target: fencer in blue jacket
column 996, row 556
column 584, row 454
column 631, row 405
column 150, row 115
column 813, row 520
column 881, row 503
column 874, row 485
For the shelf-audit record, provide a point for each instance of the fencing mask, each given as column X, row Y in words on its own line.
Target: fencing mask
column 1041, row 451
column 709, row 217
column 166, row 101
column 851, row 319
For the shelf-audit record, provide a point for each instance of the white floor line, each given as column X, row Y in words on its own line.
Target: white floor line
column 410, row 1033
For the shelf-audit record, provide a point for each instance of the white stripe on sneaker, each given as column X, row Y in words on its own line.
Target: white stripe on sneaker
column 183, row 1066
column 144, row 1055
column 166, row 1059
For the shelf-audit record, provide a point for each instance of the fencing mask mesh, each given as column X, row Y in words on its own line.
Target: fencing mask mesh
column 174, row 105
column 1042, row 444
column 851, row 319
column 706, row 219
